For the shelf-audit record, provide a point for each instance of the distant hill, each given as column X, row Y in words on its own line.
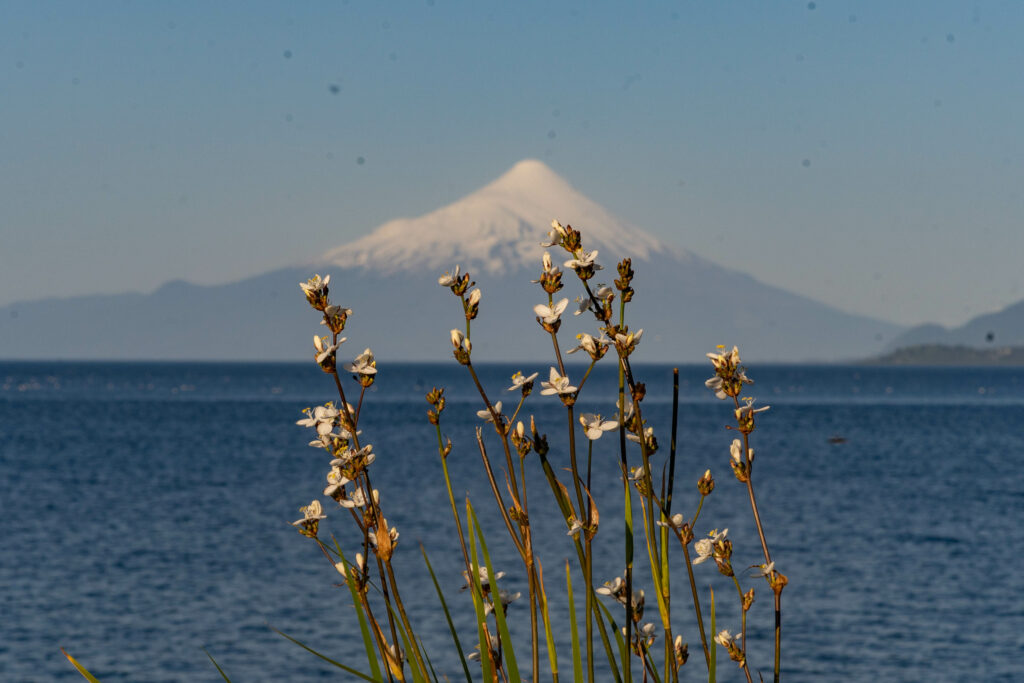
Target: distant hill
column 685, row 303
column 939, row 354
column 1003, row 328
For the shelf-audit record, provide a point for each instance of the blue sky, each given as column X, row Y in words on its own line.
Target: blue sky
column 868, row 154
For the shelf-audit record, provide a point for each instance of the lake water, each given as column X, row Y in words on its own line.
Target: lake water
column 144, row 514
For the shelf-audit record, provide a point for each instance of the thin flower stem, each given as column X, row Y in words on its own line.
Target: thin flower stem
column 743, row 615
column 359, row 405
column 588, row 571
column 558, row 354
column 628, row 515
column 523, row 541
column 696, row 514
column 753, row 504
column 498, row 426
column 451, row 498
column 585, row 375
column 522, row 400
column 696, row 602
column 572, row 460
column 497, row 496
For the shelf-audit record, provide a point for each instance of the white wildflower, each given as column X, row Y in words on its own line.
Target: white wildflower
column 487, row 416
column 551, row 314
column 449, row 279
column 594, row 425
column 364, row 364
column 556, row 384
column 555, row 236
column 583, row 259
column 518, row 380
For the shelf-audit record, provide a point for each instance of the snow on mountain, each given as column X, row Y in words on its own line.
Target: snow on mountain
column 496, row 229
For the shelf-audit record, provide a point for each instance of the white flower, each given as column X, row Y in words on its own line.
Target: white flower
column 556, row 384
column 589, row 344
column 736, row 452
column 674, row 522
column 705, row 547
column 323, row 349
column 315, row 284
column 728, row 359
column 638, row 473
column 518, row 380
column 647, row 631
column 459, row 340
column 485, row 581
column 764, row 569
column 319, row 417
column 582, row 260
column 550, row 314
column 594, row 425
column 366, row 453
column 364, row 364
column 487, row 415
column 555, row 236
column 724, row 638
column 582, row 305
column 506, row 598
column 715, row 384
column 628, row 342
column 449, row 279
column 648, row 433
column 474, row 297
column 613, row 587
column 335, row 481
column 356, row 500
column 574, row 528
column 748, row 410
column 548, row 269
column 312, row 511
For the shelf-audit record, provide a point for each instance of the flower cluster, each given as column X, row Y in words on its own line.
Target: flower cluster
column 729, row 376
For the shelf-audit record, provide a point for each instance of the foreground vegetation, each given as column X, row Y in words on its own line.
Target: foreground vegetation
column 626, row 627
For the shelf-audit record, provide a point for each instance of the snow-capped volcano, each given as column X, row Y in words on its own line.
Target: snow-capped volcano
column 685, row 303
column 496, row 229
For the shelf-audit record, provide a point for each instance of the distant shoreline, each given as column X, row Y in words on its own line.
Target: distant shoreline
column 941, row 354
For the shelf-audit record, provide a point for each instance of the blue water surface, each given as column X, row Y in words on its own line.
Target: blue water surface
column 144, row 514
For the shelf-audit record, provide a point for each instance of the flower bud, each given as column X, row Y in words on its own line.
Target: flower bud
column 706, row 484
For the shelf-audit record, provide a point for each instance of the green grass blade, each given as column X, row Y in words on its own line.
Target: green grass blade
column 447, row 616
column 430, row 664
column 81, row 669
column 620, row 641
column 219, row 670
column 478, row 605
column 499, row 613
column 368, row 642
column 577, row 663
column 324, row 657
column 548, row 636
